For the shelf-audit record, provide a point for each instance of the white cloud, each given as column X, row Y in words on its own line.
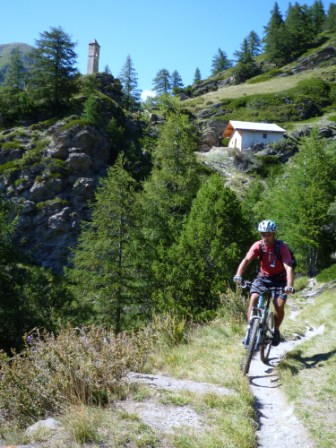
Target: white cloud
column 146, row 94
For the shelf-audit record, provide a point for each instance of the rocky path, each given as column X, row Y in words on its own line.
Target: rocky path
column 166, row 418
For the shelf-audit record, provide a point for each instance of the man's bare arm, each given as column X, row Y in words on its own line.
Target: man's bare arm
column 243, row 266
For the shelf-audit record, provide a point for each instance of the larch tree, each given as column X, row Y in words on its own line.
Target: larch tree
column 317, row 16
column 212, row 241
column 14, row 101
column 220, row 62
column 299, row 30
column 53, row 78
column 197, row 76
column 129, row 80
column 300, row 203
column 162, row 82
column 254, row 43
column 246, row 66
column 16, row 75
column 274, row 39
column 166, row 199
column 330, row 23
column 102, row 272
column 176, row 81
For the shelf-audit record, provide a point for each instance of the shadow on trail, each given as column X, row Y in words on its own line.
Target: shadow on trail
column 295, row 362
column 259, row 381
column 258, row 406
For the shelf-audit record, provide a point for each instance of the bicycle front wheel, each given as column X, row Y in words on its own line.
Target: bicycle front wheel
column 266, row 346
column 251, row 346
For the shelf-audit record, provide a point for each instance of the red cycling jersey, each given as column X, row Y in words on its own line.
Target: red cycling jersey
column 270, row 264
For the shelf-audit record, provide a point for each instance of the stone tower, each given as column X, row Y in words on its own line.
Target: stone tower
column 93, row 57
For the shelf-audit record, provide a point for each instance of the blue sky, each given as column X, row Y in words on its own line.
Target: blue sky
column 176, row 35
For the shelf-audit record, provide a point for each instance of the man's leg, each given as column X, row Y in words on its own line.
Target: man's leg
column 279, row 307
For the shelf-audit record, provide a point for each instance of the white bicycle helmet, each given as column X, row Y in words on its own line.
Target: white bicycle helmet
column 267, row 226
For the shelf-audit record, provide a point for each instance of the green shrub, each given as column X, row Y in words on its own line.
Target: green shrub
column 77, row 121
column 52, row 202
column 327, row 274
column 42, row 125
column 225, row 141
column 300, row 283
column 11, row 145
column 233, row 306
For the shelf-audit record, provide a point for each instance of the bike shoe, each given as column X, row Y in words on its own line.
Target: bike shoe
column 276, row 338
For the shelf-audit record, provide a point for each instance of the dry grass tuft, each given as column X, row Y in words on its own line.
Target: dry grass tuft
column 79, row 366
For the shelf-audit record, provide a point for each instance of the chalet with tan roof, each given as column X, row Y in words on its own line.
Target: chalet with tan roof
column 245, row 134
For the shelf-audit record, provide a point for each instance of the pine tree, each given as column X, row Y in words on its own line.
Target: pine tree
column 162, row 82
column 129, row 81
column 53, row 79
column 208, row 251
column 197, row 76
column 102, row 272
column 220, row 62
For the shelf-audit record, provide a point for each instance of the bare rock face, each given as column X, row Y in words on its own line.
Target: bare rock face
column 53, row 181
column 324, row 56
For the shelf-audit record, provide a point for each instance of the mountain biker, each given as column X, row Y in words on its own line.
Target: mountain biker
column 274, row 271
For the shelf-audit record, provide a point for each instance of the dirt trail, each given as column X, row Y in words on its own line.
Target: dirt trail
column 278, row 426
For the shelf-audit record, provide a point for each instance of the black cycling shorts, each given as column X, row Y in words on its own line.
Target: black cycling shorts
column 261, row 282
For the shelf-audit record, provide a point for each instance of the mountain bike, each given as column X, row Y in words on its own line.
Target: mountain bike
column 260, row 328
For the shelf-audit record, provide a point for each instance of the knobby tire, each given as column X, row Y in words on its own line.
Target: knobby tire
column 251, row 346
column 265, row 348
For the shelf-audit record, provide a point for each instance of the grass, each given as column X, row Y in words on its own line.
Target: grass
column 309, row 372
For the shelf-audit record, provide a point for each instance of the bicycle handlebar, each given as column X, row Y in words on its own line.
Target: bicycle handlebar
column 247, row 285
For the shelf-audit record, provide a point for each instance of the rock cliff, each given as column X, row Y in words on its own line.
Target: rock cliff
column 51, row 175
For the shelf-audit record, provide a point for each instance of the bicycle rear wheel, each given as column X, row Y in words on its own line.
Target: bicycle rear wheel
column 265, row 348
column 251, row 346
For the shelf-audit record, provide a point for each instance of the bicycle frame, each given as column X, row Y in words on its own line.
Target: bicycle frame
column 261, row 315
column 260, row 327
